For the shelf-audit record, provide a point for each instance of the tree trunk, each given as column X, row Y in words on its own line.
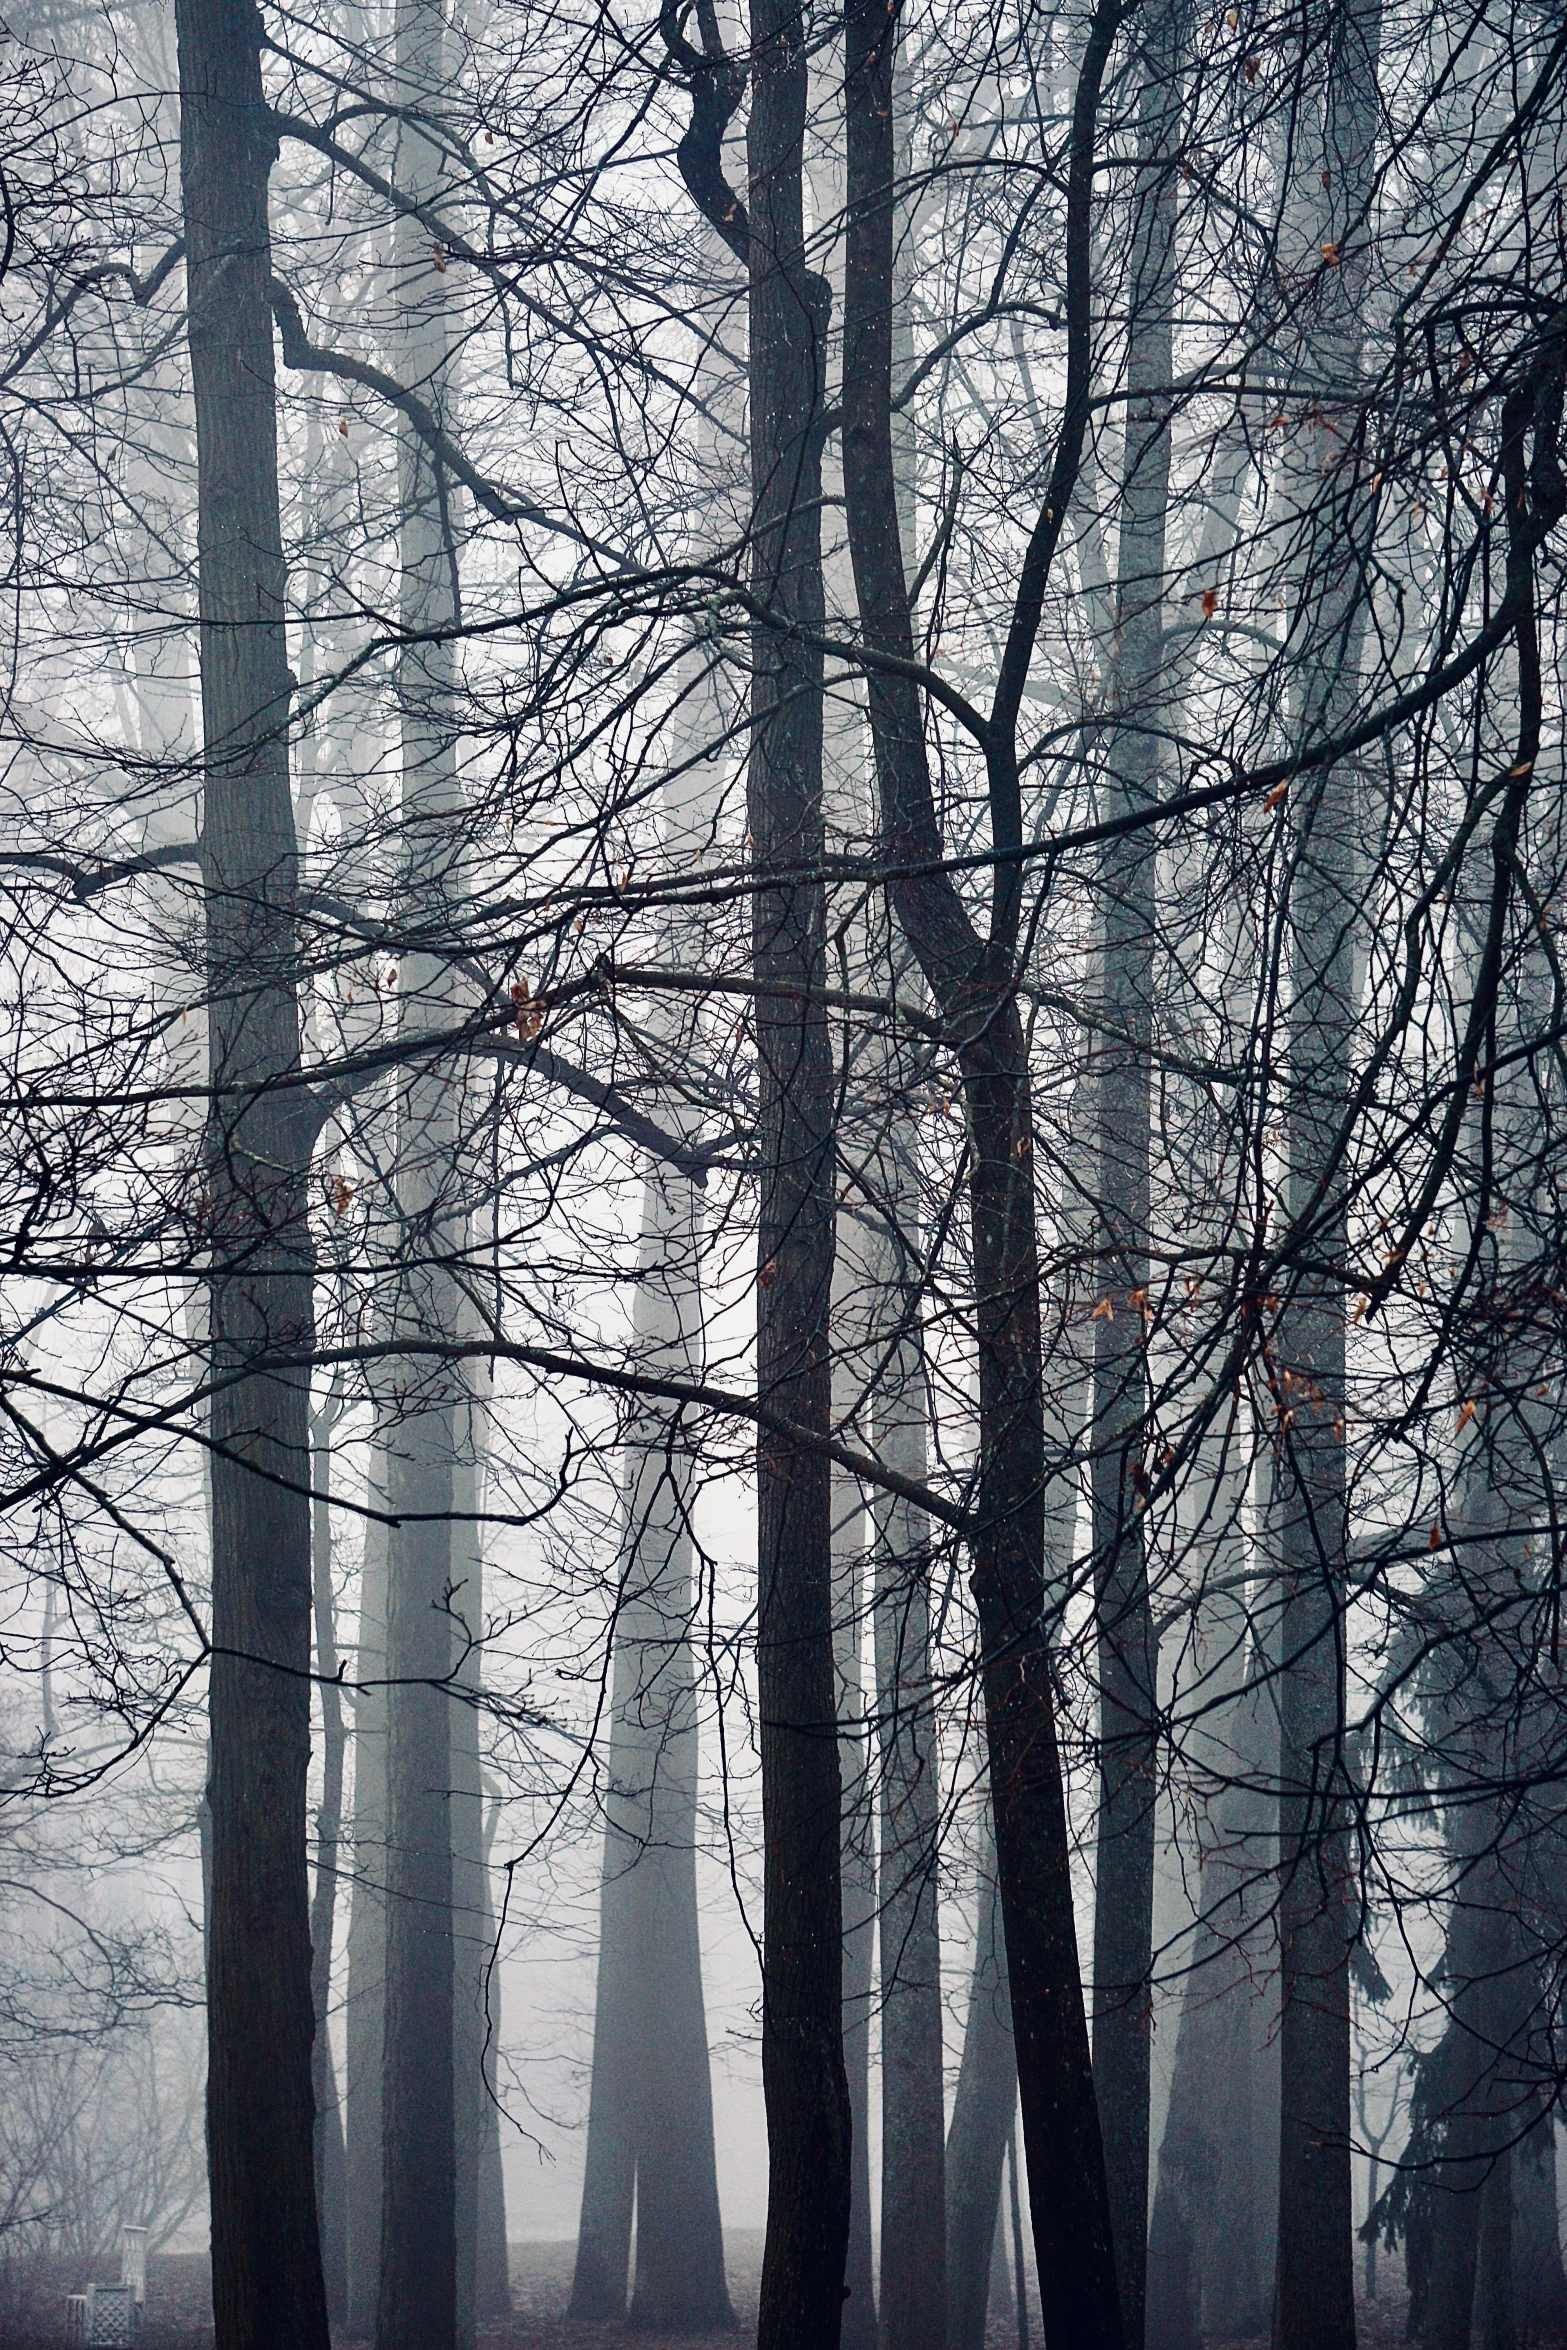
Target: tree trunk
column 982, row 2115
column 1314, row 2304
column 802, row 1960
column 1210, row 2250
column 1539, row 2282
column 483, row 2289
column 972, row 982
column 1127, row 1657
column 267, row 2285
column 331, row 2158
column 650, row 2139
column 419, row 2293
column 365, row 2017
column 913, row 2199
column 859, row 1876
column 609, row 2178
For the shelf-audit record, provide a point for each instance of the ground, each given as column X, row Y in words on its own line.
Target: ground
column 177, row 2315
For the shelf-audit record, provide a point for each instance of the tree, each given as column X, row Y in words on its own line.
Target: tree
column 266, row 2258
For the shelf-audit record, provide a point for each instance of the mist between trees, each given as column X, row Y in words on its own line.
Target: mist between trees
column 781, row 1141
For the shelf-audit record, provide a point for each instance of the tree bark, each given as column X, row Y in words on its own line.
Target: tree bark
column 267, row 2284
column 803, row 2075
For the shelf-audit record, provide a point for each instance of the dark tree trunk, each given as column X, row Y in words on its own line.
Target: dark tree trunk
column 802, row 1959
column 267, row 2285
column 331, row 2158
column 913, row 2294
column 859, row 1897
column 982, row 2115
column 1539, row 2282
column 973, row 985
column 365, row 2017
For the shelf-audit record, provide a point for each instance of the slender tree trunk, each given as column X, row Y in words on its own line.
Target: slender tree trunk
column 419, row 2293
column 267, row 2283
column 1127, row 1656
column 859, row 1875
column 1314, row 2306
column 365, row 2017
column 802, row 1964
column 331, row 2160
column 492, row 2251
column 972, row 983
column 483, row 2289
column 913, row 2199
column 982, row 2114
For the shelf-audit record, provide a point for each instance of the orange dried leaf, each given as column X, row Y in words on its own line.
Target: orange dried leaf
column 1465, row 1416
column 1274, row 796
column 1210, row 602
column 1104, row 1311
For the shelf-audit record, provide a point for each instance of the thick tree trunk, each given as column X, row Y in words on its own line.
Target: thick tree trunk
column 680, row 2283
column 802, row 1971
column 650, row 2142
column 609, row 2178
column 1127, row 1655
column 982, row 2115
column 266, row 2259
column 973, row 985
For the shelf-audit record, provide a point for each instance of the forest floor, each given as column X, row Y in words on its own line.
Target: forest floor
column 178, row 2313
